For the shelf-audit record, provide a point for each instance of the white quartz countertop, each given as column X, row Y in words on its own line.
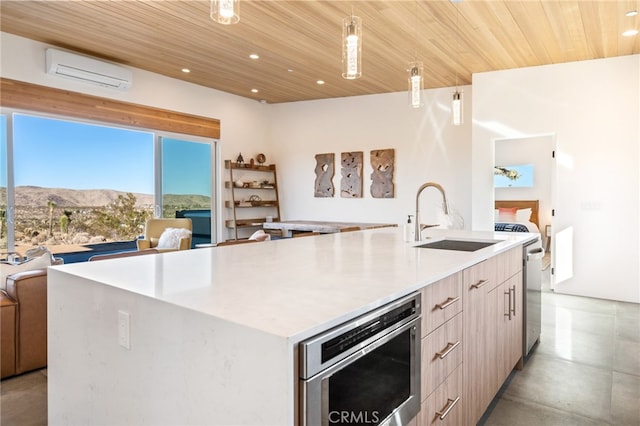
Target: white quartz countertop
column 293, row 288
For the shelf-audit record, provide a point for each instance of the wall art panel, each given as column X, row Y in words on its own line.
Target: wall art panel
column 325, row 169
column 382, row 163
column 351, row 182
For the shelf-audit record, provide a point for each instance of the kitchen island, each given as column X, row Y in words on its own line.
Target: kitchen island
column 210, row 336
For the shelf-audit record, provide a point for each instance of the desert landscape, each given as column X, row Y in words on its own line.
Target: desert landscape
column 66, row 219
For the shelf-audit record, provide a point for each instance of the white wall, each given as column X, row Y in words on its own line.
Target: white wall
column 593, row 108
column 427, row 148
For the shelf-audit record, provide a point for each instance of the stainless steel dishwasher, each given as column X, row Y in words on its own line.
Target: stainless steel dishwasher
column 532, row 282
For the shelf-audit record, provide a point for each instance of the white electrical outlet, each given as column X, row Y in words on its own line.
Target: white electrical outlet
column 124, row 331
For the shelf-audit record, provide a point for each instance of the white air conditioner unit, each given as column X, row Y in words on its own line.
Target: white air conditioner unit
column 88, row 70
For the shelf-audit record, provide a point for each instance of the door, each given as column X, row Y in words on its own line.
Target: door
column 185, row 184
column 509, row 327
column 479, row 350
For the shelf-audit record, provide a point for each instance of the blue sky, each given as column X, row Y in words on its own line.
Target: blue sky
column 3, row 151
column 58, row 154
column 186, row 167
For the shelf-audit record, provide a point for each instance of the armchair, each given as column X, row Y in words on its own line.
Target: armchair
column 155, row 229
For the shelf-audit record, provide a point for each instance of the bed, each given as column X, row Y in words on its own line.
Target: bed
column 511, row 216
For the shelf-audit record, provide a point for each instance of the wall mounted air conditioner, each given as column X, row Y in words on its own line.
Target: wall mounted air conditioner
column 88, row 70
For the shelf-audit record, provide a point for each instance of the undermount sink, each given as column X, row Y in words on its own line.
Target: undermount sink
column 458, row 245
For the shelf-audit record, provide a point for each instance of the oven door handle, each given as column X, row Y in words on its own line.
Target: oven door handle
column 535, row 254
column 414, row 325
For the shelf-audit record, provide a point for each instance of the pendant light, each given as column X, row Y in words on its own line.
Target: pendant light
column 456, row 102
column 225, row 12
column 416, row 84
column 351, row 47
column 456, row 107
column 416, row 72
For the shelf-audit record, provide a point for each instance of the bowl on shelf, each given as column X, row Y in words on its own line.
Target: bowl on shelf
column 255, row 200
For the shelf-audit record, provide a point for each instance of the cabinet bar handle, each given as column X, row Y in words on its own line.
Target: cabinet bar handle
column 508, row 314
column 514, row 301
column 479, row 284
column 446, row 351
column 445, row 411
column 450, row 301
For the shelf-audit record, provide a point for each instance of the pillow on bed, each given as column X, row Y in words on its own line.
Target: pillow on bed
column 523, row 215
column 507, row 214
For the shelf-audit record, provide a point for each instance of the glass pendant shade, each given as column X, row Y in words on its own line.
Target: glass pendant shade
column 225, row 11
column 456, row 108
column 351, row 47
column 416, row 84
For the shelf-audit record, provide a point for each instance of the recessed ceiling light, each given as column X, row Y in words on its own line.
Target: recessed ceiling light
column 320, row 82
column 630, row 33
column 631, row 13
column 254, row 90
column 186, row 70
column 289, row 70
column 254, row 56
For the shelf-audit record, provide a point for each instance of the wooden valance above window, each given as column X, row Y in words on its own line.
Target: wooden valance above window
column 33, row 97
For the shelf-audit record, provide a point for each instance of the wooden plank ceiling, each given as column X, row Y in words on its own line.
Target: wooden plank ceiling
column 299, row 41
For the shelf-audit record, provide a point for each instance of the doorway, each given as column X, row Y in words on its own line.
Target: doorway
column 535, row 155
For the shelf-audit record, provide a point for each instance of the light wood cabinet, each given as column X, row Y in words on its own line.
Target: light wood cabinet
column 444, row 406
column 472, row 338
column 509, row 327
column 441, row 301
column 441, row 354
column 479, row 335
column 508, row 264
column 492, row 305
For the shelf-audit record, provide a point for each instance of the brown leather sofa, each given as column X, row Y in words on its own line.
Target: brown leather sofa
column 23, row 327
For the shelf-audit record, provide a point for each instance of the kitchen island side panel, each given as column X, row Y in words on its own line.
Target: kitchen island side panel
column 182, row 368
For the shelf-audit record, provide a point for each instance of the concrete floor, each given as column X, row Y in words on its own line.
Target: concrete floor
column 585, row 371
column 24, row 399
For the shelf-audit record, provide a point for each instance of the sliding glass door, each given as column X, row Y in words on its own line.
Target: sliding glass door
column 186, row 184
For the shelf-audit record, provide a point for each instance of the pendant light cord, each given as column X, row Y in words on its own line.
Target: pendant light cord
column 415, row 33
column 457, row 41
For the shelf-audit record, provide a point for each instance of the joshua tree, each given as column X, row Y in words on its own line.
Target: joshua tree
column 64, row 224
column 51, row 204
column 65, row 219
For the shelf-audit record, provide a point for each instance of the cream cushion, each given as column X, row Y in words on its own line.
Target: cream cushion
column 260, row 235
column 170, row 238
column 6, row 269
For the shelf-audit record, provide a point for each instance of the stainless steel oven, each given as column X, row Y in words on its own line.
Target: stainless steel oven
column 366, row 371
